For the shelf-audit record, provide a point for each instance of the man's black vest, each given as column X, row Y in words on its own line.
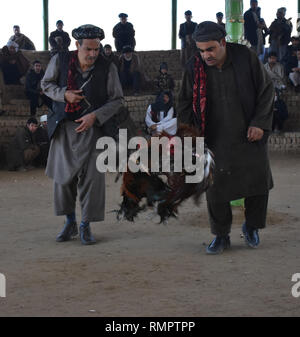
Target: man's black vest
column 95, row 91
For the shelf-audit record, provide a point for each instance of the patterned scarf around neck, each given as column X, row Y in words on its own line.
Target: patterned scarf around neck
column 199, row 94
column 71, row 82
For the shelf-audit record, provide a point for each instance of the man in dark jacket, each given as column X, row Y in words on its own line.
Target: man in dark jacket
column 13, row 63
column 251, row 18
column 130, row 70
column 59, row 40
column 186, row 30
column 227, row 94
column 123, row 33
column 280, row 35
column 42, row 140
column 23, row 149
column 33, row 88
column 219, row 17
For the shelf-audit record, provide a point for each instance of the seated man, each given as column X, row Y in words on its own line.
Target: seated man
column 291, row 52
column 160, row 116
column 13, row 63
column 164, row 82
column 42, row 140
column 23, row 149
column 280, row 113
column 23, row 41
column 59, row 40
column 33, row 88
column 294, row 72
column 275, row 71
column 130, row 70
column 109, row 55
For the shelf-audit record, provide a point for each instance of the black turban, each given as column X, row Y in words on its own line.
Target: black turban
column 123, row 15
column 209, row 31
column 88, row 32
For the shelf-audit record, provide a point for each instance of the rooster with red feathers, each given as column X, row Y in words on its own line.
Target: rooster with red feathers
column 164, row 190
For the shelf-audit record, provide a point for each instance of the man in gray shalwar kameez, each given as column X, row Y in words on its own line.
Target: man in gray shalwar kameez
column 86, row 94
column 228, row 95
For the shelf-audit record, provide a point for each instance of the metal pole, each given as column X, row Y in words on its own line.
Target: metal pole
column 174, row 23
column 298, row 18
column 46, row 24
column 234, row 20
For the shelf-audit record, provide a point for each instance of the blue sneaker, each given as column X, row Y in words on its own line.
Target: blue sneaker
column 251, row 236
column 218, row 245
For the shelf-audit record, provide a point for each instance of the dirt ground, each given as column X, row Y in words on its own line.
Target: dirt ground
column 144, row 268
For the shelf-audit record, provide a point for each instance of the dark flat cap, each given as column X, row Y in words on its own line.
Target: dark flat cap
column 219, row 14
column 209, row 31
column 163, row 65
column 59, row 21
column 123, row 15
column 88, row 32
column 187, row 13
column 32, row 120
column 127, row 49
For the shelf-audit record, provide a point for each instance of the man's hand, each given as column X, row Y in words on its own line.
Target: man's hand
column 86, row 122
column 73, row 96
column 153, row 127
column 254, row 134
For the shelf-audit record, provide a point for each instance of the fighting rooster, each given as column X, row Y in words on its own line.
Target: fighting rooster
column 164, row 190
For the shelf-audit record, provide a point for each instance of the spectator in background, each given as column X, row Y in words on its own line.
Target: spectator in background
column 23, row 41
column 220, row 17
column 130, row 70
column 275, row 71
column 291, row 54
column 164, row 81
column 262, row 32
column 13, row 63
column 59, row 40
column 42, row 140
column 252, row 26
column 294, row 74
column 110, row 55
column 23, row 149
column 188, row 45
column 280, row 34
column 33, row 88
column 160, row 115
column 280, row 113
column 124, row 33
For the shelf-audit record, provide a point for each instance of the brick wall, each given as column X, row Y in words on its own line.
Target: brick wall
column 17, row 108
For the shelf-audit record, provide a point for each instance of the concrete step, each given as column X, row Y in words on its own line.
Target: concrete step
column 284, row 142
